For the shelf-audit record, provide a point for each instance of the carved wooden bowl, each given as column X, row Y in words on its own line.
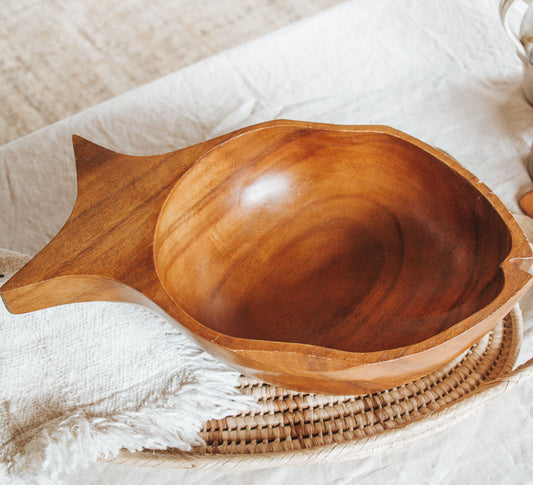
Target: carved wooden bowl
column 323, row 258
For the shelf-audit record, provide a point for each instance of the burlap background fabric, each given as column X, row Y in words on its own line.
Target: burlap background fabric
column 59, row 57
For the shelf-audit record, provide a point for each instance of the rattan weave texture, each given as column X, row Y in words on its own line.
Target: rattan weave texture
column 298, row 428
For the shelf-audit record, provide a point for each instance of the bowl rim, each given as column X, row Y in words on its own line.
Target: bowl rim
column 515, row 266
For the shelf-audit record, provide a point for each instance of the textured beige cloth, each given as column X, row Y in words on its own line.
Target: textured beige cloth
column 61, row 56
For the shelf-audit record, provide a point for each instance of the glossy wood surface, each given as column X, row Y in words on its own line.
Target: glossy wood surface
column 323, row 258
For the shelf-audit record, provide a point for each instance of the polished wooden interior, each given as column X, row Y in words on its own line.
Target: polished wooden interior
column 354, row 242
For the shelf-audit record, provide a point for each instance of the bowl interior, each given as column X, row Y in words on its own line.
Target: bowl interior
column 357, row 241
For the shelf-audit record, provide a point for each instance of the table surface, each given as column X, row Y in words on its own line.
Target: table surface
column 441, row 71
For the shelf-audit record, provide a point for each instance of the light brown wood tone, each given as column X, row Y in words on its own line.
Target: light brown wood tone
column 526, row 203
column 333, row 259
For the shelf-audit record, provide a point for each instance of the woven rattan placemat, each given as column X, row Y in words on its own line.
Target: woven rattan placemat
column 298, row 428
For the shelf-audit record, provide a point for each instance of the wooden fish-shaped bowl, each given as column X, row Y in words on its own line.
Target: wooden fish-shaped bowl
column 323, row 258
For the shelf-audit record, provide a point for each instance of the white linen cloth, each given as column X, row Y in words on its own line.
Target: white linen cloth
column 80, row 382
column 442, row 71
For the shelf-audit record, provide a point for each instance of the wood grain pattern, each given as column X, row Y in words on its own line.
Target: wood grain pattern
column 323, row 258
